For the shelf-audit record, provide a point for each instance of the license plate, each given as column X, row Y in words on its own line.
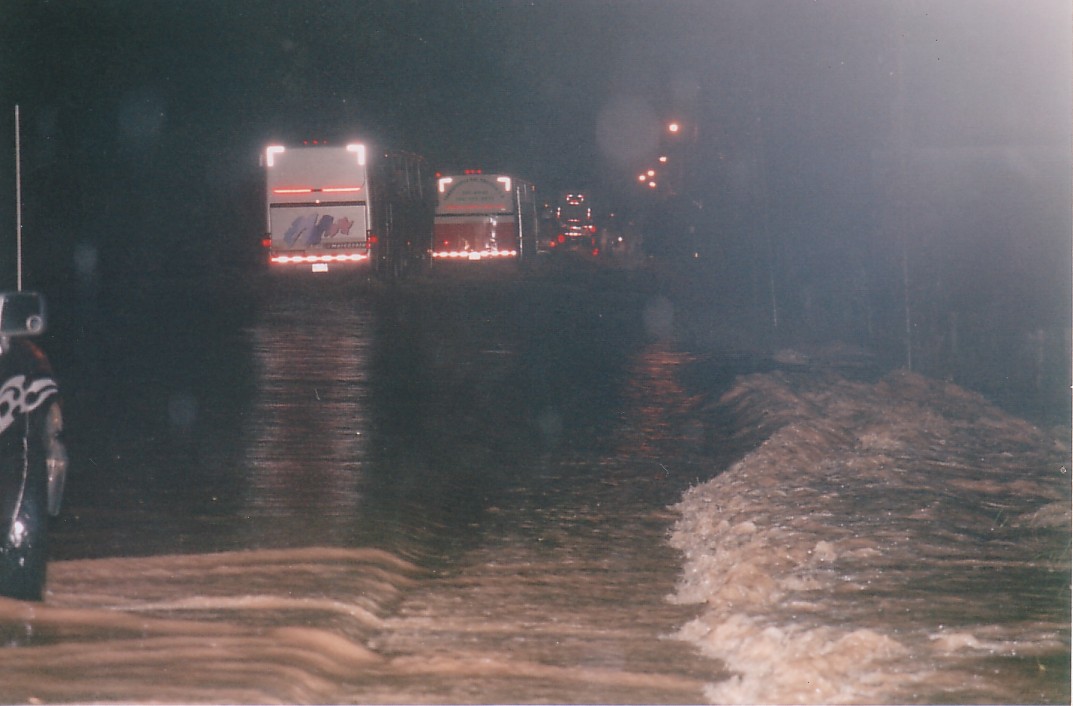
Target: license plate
column 320, row 266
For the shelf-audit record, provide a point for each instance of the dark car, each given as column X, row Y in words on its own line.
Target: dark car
column 33, row 459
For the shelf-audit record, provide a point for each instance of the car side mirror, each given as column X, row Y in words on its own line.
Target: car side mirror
column 21, row 314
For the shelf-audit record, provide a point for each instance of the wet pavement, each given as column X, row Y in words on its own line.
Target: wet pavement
column 463, row 490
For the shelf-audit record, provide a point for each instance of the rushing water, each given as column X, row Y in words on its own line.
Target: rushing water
column 340, row 493
column 463, row 490
column 903, row 541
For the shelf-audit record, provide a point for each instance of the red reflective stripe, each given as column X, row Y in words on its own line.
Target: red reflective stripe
column 300, row 259
column 311, row 190
column 475, row 254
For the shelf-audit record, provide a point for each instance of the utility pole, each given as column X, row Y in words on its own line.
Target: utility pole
column 18, row 204
column 901, row 161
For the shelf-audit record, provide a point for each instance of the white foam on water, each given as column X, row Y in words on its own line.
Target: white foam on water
column 853, row 556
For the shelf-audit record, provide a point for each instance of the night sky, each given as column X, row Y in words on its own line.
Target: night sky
column 833, row 130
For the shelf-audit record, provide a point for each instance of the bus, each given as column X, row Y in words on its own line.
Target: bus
column 347, row 207
column 485, row 217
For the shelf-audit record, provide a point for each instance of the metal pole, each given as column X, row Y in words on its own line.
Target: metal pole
column 904, row 218
column 520, row 221
column 18, row 204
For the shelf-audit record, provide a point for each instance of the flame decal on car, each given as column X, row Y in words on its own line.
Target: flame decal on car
column 22, row 396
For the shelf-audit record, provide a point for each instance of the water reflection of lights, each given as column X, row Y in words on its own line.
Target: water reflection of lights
column 308, row 426
column 663, row 418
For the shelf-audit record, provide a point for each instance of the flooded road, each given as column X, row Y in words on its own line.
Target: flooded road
column 455, row 491
column 475, row 490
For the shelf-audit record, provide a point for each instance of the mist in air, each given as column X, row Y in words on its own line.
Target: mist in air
column 863, row 171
